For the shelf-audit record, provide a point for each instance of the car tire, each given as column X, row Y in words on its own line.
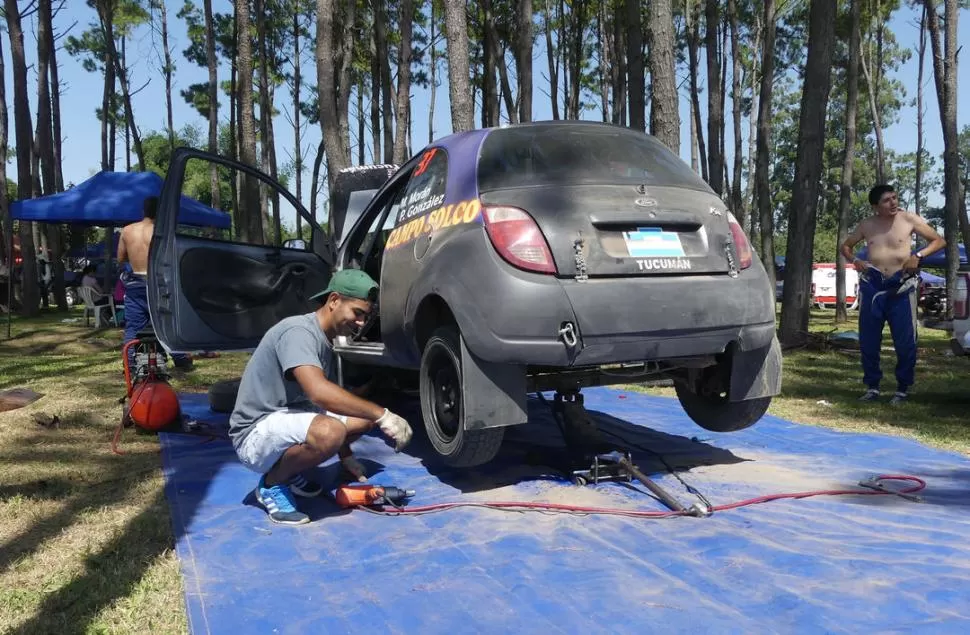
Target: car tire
column 717, row 414
column 441, row 404
column 222, row 395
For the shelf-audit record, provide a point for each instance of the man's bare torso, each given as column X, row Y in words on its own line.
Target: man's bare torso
column 889, row 240
column 137, row 238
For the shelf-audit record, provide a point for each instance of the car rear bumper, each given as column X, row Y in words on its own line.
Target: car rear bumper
column 634, row 319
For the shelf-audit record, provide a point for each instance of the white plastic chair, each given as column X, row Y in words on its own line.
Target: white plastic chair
column 90, row 296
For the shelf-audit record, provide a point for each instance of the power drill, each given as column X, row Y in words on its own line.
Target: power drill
column 364, row 495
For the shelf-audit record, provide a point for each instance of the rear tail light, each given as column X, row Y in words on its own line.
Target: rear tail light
column 518, row 239
column 741, row 243
column 961, row 300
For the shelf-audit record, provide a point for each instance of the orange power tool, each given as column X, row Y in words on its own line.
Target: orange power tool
column 364, row 495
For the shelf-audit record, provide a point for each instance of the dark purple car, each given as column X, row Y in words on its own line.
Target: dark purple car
column 536, row 257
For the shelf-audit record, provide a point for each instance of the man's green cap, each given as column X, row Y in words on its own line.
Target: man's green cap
column 350, row 283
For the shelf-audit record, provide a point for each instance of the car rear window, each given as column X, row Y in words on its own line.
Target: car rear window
column 570, row 154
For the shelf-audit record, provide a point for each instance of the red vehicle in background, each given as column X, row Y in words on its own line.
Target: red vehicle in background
column 823, row 285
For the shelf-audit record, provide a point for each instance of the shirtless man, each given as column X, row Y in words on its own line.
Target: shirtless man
column 133, row 248
column 888, row 284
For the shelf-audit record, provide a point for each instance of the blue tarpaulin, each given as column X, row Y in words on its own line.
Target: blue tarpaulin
column 827, row 564
column 112, row 198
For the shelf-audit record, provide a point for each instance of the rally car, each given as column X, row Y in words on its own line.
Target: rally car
column 544, row 256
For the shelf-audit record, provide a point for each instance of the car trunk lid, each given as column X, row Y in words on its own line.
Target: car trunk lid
column 625, row 230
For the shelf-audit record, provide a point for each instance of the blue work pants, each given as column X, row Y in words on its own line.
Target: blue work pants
column 889, row 299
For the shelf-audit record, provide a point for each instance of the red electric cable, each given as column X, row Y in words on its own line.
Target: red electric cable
column 521, row 506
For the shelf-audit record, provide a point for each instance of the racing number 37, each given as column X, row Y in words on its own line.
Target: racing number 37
column 425, row 160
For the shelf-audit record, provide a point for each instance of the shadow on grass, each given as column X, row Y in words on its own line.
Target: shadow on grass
column 112, row 572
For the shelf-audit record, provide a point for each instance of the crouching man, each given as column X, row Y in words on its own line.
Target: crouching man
column 278, row 427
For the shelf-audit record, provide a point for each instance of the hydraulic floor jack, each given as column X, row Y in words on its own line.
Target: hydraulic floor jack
column 594, row 460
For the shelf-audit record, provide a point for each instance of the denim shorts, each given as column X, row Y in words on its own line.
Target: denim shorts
column 273, row 435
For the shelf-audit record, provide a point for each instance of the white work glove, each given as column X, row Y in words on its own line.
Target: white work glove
column 395, row 428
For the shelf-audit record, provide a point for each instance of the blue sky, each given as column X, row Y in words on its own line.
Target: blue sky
column 82, row 94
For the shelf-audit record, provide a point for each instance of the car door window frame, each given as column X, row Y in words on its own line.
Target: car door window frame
column 183, row 155
column 381, row 204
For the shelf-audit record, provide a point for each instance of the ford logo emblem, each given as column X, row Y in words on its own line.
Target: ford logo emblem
column 645, row 202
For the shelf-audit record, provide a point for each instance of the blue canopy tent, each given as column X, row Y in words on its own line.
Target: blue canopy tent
column 110, row 199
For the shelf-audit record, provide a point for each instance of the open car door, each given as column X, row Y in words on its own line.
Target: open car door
column 223, row 288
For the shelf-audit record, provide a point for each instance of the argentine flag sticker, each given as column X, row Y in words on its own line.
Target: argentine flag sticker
column 653, row 242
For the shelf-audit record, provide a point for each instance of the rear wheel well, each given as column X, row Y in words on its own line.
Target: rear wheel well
column 432, row 313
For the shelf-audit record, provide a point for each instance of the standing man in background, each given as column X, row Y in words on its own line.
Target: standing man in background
column 888, row 284
column 133, row 246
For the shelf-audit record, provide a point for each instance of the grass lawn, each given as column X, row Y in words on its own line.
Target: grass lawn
column 85, row 537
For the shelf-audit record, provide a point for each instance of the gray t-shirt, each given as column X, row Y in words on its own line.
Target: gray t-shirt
column 268, row 384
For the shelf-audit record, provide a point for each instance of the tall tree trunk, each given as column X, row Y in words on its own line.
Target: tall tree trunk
column 361, row 125
column 6, row 218
column 267, row 158
column 315, row 181
column 918, row 203
column 605, row 65
column 619, row 66
column 808, row 173
column 29, row 292
column 945, row 72
column 333, row 85
column 635, row 71
column 737, row 204
column 383, row 58
column 693, row 140
column 106, row 14
column 44, row 149
column 124, row 78
column 251, row 225
column 107, row 114
column 715, row 102
column 664, row 104
column 692, row 15
column 459, row 87
column 168, row 76
column 845, row 190
column 762, row 182
column 553, row 64
column 235, row 150
column 876, row 124
column 297, row 142
column 403, row 110
column 753, row 136
column 490, row 105
column 523, row 59
column 213, row 64
column 55, row 116
column 375, row 99
column 434, row 72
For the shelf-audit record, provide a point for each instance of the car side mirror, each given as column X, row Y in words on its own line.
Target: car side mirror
column 295, row 243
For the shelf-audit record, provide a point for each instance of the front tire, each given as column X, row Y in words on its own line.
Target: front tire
column 714, row 412
column 442, row 404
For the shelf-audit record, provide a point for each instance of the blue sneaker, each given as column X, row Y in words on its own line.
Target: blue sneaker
column 301, row 486
column 278, row 501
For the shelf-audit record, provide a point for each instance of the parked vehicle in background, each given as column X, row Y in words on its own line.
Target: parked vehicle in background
column 823, row 286
column 960, row 343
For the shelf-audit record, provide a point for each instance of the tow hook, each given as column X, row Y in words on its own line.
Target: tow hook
column 732, row 265
column 567, row 332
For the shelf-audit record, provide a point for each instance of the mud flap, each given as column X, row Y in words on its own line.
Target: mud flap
column 756, row 373
column 493, row 395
